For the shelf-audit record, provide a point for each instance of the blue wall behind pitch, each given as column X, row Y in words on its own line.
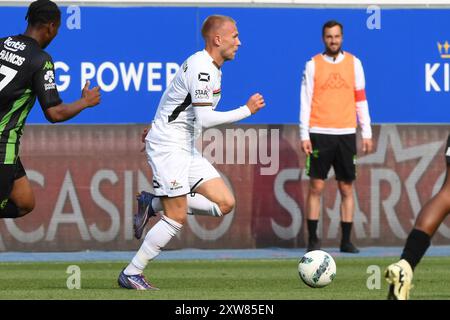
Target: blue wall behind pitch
column 276, row 43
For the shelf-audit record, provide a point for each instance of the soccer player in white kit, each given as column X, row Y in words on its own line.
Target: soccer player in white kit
column 188, row 104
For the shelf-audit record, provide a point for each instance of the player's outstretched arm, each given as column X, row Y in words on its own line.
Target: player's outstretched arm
column 63, row 111
column 210, row 118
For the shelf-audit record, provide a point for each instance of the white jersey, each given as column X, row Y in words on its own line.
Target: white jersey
column 197, row 83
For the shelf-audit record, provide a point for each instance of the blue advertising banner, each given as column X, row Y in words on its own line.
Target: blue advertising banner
column 133, row 53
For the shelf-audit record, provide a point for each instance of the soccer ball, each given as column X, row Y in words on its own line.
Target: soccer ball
column 317, row 269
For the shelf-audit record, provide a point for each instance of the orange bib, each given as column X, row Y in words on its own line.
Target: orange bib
column 333, row 101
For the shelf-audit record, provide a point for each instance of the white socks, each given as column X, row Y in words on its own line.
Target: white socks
column 197, row 205
column 157, row 238
column 165, row 229
column 201, row 206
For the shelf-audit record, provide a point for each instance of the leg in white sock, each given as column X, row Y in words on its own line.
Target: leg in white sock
column 197, row 205
column 200, row 206
column 156, row 239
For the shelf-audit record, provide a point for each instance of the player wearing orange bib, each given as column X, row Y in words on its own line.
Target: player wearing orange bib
column 333, row 101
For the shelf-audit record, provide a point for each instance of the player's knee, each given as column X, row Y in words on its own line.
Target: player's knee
column 443, row 197
column 227, row 205
column 316, row 190
column 26, row 208
column 177, row 214
column 346, row 190
column 178, row 217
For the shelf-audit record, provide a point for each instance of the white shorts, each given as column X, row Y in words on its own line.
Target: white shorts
column 177, row 172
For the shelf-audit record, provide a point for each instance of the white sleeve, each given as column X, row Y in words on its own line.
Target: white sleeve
column 207, row 117
column 200, row 80
column 362, row 107
column 306, row 93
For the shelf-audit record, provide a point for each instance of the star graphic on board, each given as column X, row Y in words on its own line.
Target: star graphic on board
column 389, row 136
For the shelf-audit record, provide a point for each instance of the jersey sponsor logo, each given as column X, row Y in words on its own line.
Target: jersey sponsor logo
column 49, row 86
column 203, row 76
column 11, row 58
column 202, row 93
column 49, row 78
column 48, row 65
column 14, row 46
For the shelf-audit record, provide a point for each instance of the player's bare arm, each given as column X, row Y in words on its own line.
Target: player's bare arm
column 63, row 111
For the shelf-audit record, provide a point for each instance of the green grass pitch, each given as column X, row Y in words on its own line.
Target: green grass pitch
column 217, row 280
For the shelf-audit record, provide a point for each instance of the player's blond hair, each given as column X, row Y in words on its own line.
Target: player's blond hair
column 213, row 23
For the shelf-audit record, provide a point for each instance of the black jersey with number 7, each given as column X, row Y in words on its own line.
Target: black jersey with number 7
column 26, row 72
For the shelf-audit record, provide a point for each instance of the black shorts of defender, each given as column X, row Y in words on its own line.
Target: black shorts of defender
column 329, row 150
column 447, row 151
column 8, row 174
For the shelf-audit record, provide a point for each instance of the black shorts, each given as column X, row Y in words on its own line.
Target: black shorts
column 8, row 174
column 329, row 150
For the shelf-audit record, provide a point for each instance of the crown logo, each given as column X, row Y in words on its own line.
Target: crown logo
column 443, row 49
